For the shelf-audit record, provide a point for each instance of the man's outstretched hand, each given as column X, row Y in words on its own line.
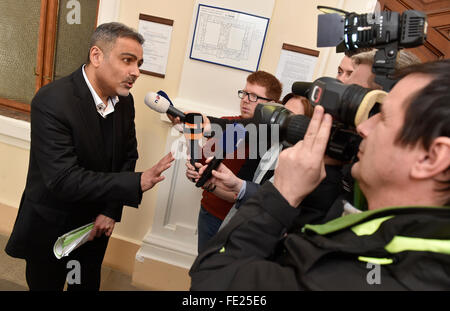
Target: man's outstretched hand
column 152, row 176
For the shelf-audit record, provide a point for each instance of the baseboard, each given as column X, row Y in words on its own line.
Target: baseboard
column 120, row 254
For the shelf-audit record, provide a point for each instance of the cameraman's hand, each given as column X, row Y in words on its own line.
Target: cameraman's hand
column 301, row 168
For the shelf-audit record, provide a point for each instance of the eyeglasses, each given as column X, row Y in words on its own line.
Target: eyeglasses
column 251, row 97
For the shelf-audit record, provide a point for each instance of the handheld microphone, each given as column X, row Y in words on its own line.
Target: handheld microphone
column 193, row 130
column 161, row 103
column 230, row 141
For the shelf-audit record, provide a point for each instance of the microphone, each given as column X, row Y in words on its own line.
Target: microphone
column 161, row 103
column 301, row 88
column 230, row 141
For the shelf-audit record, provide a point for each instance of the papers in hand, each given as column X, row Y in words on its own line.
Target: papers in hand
column 71, row 240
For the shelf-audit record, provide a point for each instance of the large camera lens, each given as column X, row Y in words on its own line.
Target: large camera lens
column 348, row 104
column 343, row 143
column 292, row 128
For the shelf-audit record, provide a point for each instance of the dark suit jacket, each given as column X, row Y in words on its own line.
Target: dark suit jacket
column 69, row 182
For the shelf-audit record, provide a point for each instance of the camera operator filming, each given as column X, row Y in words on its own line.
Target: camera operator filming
column 403, row 170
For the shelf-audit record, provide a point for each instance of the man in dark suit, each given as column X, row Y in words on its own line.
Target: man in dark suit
column 82, row 160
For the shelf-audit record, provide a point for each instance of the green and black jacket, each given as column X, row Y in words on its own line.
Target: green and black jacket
column 397, row 248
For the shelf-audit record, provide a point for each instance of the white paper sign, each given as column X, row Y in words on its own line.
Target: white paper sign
column 293, row 67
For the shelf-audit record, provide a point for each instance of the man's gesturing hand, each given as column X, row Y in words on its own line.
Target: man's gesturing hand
column 152, row 176
column 301, row 168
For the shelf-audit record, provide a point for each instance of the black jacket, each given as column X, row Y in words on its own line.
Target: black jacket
column 404, row 248
column 69, row 181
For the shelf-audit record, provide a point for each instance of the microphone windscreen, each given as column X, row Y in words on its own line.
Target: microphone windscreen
column 301, row 88
column 156, row 102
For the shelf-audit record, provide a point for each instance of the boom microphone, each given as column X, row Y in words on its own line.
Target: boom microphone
column 161, row 103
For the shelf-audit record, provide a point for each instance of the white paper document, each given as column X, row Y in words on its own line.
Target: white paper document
column 66, row 243
column 293, row 67
column 156, row 46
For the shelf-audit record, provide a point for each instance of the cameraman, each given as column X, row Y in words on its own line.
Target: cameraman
column 260, row 87
column 404, row 174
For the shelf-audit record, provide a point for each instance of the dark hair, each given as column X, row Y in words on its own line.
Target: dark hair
column 307, row 107
column 267, row 80
column 105, row 35
column 427, row 115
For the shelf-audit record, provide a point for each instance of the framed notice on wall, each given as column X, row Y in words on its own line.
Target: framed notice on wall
column 296, row 64
column 157, row 32
column 228, row 38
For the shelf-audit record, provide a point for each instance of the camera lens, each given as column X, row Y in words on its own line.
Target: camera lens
column 296, row 128
column 350, row 102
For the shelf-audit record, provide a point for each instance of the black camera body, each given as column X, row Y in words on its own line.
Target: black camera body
column 342, row 145
column 378, row 29
column 349, row 104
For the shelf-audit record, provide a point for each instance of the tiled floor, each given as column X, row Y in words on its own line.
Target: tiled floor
column 12, row 274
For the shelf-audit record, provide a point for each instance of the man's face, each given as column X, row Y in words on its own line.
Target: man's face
column 247, row 106
column 383, row 164
column 345, row 69
column 119, row 67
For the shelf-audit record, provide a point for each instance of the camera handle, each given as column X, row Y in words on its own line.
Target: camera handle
column 384, row 65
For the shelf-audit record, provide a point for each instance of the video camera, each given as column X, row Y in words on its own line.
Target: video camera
column 349, row 104
column 386, row 31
